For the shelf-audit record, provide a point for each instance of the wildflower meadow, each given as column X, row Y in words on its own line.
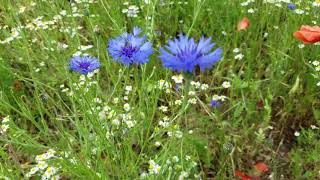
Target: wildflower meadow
column 160, row 89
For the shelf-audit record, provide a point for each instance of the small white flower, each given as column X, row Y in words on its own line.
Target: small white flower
column 22, row 9
column 157, row 143
column 162, row 84
column 49, row 172
column 204, row 86
column 78, row 53
column 196, row 84
column 192, row 101
column 128, row 88
column 6, row 119
column 296, row 133
column 143, row 175
column 42, row 64
column 166, row 118
column 106, row 108
column 164, row 124
column 226, row 84
column 62, row 45
column 154, row 168
column 316, row 4
column 301, row 46
column 84, row 48
column 178, row 102
column 236, row 50
column 132, row 11
column 130, row 124
column 222, row 98
column 3, row 128
column 183, row 175
column 215, row 97
column 115, row 100
column 102, row 115
column 239, row 56
column 299, row 11
column 316, row 63
column 191, row 93
column 251, row 11
column 57, row 17
column 42, row 165
column 51, row 152
column 32, row 171
column 265, row 35
column 63, row 13
column 178, row 79
column 246, row 3
column 97, row 100
column 65, row 90
column 178, row 134
column 163, row 108
column 126, row 107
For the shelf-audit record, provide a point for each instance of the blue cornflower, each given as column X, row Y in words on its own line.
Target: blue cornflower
column 184, row 54
column 214, row 103
column 84, row 64
column 130, row 48
column 292, row 6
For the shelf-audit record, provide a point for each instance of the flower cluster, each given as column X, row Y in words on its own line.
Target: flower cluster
column 316, row 65
column 163, row 84
column 182, row 54
column 83, row 85
column 116, row 118
column 238, row 54
column 43, row 168
column 174, row 166
column 78, row 9
column 131, row 10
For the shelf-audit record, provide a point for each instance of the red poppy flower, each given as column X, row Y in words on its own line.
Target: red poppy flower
column 308, row 34
column 243, row 24
column 244, row 176
column 262, row 167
